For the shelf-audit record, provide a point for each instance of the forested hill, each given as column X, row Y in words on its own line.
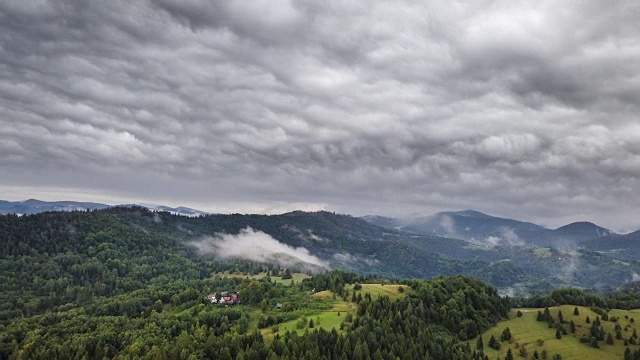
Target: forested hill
column 122, row 283
column 339, row 241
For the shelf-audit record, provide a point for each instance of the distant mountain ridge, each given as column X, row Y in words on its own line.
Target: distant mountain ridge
column 477, row 227
column 33, row 206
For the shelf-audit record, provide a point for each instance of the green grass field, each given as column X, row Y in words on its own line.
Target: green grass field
column 528, row 332
column 332, row 318
column 297, row 277
column 377, row 290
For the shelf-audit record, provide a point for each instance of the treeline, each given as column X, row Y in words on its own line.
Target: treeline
column 627, row 298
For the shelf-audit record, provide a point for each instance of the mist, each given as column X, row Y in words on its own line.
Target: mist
column 258, row 246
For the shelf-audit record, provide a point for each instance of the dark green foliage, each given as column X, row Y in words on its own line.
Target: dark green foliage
column 493, row 343
column 558, row 334
column 509, row 355
column 609, row 339
column 287, row 275
column 519, row 313
column 506, row 335
column 576, row 311
column 479, row 343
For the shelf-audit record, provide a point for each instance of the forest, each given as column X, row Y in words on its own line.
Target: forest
column 119, row 283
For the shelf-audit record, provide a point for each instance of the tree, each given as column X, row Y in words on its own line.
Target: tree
column 287, row 275
column 523, row 351
column 605, row 316
column 558, row 334
column 560, row 317
column 535, row 354
column 544, row 354
column 492, row 342
column 311, row 325
column 506, row 335
column 588, row 321
column 609, row 339
column 576, row 311
column 509, row 355
column 594, row 343
column 479, row 343
column 519, row 313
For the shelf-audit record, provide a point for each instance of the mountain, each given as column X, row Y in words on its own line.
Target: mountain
column 306, row 241
column 472, row 226
column 180, row 210
column 33, row 206
column 480, row 228
column 581, row 231
column 626, row 247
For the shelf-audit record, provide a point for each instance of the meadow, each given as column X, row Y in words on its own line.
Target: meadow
column 536, row 336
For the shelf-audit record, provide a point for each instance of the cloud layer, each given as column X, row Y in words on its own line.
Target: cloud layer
column 257, row 246
column 527, row 110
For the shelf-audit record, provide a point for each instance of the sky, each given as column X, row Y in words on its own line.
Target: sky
column 523, row 109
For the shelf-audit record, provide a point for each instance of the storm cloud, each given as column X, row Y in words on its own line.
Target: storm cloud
column 521, row 109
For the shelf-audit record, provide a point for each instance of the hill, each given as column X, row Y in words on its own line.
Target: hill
column 625, row 247
column 32, row 206
column 480, row 228
column 538, row 337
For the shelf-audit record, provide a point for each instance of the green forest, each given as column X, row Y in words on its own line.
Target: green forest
column 122, row 283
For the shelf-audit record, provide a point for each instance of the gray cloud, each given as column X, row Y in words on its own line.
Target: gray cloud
column 527, row 110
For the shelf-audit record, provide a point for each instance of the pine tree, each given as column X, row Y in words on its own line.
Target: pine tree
column 609, row 339
column 576, row 311
column 588, row 321
column 480, row 343
column 509, row 355
column 506, row 335
column 572, row 327
column 558, row 334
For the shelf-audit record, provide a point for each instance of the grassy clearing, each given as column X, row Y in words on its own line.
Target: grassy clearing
column 529, row 332
column 543, row 252
column 297, row 277
column 377, row 290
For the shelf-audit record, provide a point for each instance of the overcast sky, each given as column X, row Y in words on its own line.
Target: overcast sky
column 528, row 110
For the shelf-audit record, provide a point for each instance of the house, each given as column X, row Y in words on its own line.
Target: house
column 226, row 298
column 212, row 298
